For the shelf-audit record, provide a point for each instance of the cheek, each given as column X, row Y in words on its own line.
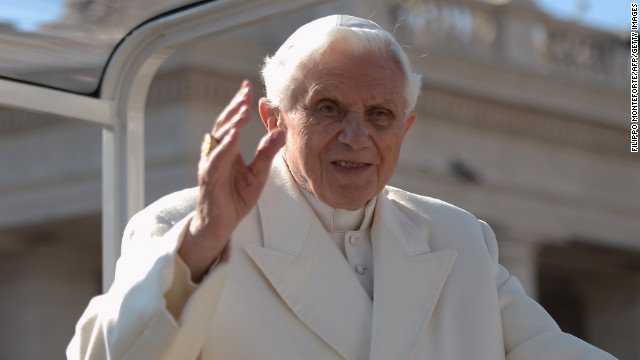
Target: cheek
column 295, row 144
column 388, row 137
column 389, row 145
column 313, row 156
column 302, row 152
column 314, row 140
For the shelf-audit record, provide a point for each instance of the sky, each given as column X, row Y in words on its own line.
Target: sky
column 610, row 15
column 26, row 15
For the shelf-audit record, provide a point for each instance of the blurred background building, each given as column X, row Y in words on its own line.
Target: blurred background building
column 523, row 120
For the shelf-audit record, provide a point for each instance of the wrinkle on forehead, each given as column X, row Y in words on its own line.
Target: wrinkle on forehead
column 324, row 78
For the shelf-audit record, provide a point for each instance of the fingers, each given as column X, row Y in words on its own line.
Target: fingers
column 237, row 122
column 236, row 113
column 266, row 151
column 225, row 158
column 229, row 146
column 235, row 116
column 221, row 157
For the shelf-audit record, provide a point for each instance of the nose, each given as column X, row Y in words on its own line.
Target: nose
column 354, row 132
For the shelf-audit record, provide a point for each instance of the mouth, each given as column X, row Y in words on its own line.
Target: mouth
column 349, row 164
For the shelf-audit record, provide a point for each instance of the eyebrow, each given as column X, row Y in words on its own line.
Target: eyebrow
column 325, row 92
column 321, row 91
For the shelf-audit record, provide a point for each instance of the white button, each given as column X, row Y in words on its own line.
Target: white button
column 361, row 269
column 353, row 239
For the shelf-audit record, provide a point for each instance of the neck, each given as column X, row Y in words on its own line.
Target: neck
column 340, row 220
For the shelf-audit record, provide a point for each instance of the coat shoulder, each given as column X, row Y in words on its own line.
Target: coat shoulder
column 159, row 216
column 176, row 205
column 426, row 206
column 460, row 228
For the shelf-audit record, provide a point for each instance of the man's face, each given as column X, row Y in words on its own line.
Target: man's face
column 345, row 125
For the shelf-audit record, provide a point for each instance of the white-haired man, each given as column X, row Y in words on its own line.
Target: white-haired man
column 305, row 253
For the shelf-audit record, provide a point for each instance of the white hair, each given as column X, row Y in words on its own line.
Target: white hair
column 312, row 39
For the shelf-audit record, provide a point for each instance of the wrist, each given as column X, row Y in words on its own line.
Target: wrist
column 199, row 251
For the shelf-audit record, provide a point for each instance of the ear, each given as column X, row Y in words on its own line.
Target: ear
column 410, row 119
column 268, row 114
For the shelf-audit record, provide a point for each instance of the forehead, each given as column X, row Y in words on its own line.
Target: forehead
column 375, row 77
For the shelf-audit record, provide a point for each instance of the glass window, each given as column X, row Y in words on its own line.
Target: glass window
column 66, row 44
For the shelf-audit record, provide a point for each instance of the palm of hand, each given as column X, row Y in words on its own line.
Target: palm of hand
column 229, row 188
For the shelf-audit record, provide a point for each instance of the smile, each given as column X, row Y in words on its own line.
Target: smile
column 350, row 164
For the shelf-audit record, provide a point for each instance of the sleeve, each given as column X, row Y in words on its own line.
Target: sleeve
column 152, row 310
column 528, row 330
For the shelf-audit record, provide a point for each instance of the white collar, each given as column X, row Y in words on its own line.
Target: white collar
column 341, row 220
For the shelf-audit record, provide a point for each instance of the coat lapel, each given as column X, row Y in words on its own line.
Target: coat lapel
column 308, row 271
column 408, row 279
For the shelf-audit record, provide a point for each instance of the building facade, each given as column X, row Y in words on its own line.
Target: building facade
column 523, row 121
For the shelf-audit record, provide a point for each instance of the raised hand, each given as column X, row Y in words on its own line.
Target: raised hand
column 229, row 188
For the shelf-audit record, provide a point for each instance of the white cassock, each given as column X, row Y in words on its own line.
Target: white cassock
column 284, row 290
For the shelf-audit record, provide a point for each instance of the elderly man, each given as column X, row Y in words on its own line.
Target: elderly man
column 305, row 253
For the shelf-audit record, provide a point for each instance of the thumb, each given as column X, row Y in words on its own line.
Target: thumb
column 266, row 151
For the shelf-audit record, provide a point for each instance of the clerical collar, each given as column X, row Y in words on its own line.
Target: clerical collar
column 341, row 220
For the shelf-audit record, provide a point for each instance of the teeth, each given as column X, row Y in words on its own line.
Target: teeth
column 350, row 164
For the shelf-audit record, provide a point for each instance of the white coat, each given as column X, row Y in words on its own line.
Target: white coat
column 286, row 291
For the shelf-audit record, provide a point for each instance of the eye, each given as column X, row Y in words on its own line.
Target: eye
column 380, row 113
column 381, row 116
column 327, row 108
